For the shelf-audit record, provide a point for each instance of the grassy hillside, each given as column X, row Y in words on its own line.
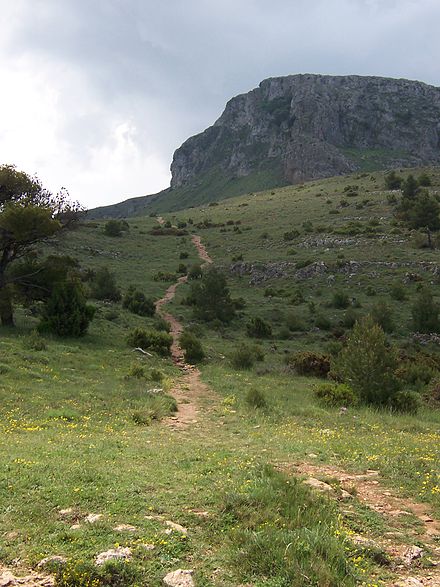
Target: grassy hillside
column 81, row 433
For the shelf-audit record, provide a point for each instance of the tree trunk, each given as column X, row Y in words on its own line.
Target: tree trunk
column 6, row 310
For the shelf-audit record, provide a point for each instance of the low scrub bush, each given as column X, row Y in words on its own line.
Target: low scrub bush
column 432, row 394
column 322, row 322
column 244, row 356
column 161, row 324
column 155, row 375
column 136, row 371
column 258, row 328
column 295, row 322
column 103, row 286
column 66, row 312
column 34, row 342
column 309, row 363
column 340, row 300
column 416, row 374
column 397, row 292
column 155, row 341
column 256, row 399
column 332, row 394
column 405, row 401
column 81, row 574
column 136, row 302
column 158, row 406
column 192, row 347
column 382, row 314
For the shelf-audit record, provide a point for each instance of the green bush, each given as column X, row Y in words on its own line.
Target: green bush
column 340, row 300
column 211, row 298
column 136, row 302
column 192, row 347
column 195, row 272
column 309, row 363
column 115, row 227
column 153, row 340
column 322, row 322
column 66, row 312
column 256, row 399
column 136, row 371
column 368, row 364
column 155, row 375
column 161, row 324
column 157, row 407
column 349, row 318
column 295, row 323
column 425, row 313
column 397, row 292
column 405, row 401
column 382, row 314
column 34, row 342
column 183, row 255
column 432, row 395
column 332, row 394
column 103, row 286
column 81, row 574
column 243, row 357
column 258, row 328
column 416, row 374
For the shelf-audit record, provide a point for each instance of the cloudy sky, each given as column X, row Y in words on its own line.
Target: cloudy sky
column 96, row 95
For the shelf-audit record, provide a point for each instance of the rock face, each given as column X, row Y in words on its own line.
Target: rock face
column 303, row 127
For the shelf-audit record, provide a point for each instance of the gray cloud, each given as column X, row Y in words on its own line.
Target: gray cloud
column 101, row 92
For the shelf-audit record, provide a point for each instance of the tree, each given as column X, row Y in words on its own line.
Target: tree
column 29, row 214
column 368, row 364
column 425, row 212
column 211, row 298
column 393, row 181
column 66, row 312
column 425, row 313
column 104, row 286
column 410, row 186
column 115, row 227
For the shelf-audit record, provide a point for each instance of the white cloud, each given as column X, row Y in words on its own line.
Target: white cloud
column 96, row 94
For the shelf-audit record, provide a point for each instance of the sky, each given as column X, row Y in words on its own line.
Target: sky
column 95, row 95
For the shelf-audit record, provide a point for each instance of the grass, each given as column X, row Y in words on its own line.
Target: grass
column 81, row 428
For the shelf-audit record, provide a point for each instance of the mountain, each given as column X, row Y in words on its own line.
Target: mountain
column 301, row 127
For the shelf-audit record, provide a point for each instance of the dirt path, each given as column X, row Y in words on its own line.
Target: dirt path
column 189, row 389
column 398, row 512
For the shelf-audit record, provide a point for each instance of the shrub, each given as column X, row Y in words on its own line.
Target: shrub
column 349, row 318
column 258, row 328
column 256, row 399
column 332, row 394
column 152, row 340
column 416, row 374
column 397, row 292
column 405, row 401
column 382, row 314
column 322, row 322
column 155, row 375
column 182, row 269
column 424, row 180
column 66, row 312
column 368, row 364
column 136, row 302
column 297, row 297
column 194, row 272
column 81, row 574
column 136, row 371
column 164, row 276
column 111, row 315
column 161, row 324
column 310, row 363
column 104, row 286
column 115, row 227
column 425, row 313
column 34, row 342
column 243, row 357
column 295, row 323
column 292, row 234
column 183, row 255
column 393, row 181
column 211, row 298
column 340, row 300
column 192, row 347
column 432, row 395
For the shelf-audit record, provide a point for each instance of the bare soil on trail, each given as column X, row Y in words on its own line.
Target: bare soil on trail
column 397, row 512
column 189, row 389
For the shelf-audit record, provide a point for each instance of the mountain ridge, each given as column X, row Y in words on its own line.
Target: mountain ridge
column 302, row 127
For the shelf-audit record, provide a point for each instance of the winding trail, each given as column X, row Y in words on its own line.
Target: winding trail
column 189, row 390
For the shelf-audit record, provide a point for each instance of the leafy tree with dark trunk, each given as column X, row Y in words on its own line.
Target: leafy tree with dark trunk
column 29, row 214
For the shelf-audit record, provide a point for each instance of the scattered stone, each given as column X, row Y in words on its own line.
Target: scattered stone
column 55, row 559
column 426, row 519
column 319, row 485
column 92, row 518
column 75, row 526
column 179, row 578
column 6, row 579
column 177, row 527
column 147, row 546
column 66, row 512
column 312, row 455
column 345, row 495
column 409, row 582
column 200, row 513
column 119, row 553
column 125, row 528
column 12, row 535
column 413, row 553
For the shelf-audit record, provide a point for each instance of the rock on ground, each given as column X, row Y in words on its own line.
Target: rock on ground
column 120, row 553
column 179, row 578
